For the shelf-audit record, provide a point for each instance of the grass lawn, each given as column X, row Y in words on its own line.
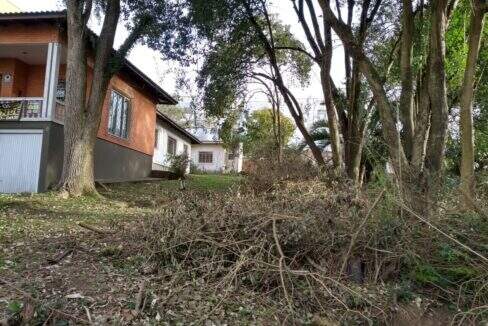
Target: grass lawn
column 41, row 215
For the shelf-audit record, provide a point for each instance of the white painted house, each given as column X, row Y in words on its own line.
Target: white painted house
column 211, row 155
column 170, row 139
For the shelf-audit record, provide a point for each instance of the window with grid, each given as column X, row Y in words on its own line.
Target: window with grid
column 119, row 112
column 205, row 157
column 171, row 146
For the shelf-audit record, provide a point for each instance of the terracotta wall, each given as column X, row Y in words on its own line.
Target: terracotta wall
column 28, row 81
column 25, row 34
column 142, row 122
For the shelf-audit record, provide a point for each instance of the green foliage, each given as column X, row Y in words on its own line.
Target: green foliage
column 319, row 133
column 259, row 130
column 179, row 164
column 234, row 52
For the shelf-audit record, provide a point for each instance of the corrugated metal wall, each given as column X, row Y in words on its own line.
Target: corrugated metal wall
column 20, row 158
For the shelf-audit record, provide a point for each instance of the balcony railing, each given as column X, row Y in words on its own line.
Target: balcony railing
column 21, row 108
column 59, row 112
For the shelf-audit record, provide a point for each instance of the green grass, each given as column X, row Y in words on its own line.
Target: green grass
column 46, row 214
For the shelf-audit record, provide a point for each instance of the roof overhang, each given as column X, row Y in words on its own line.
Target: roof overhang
column 168, row 120
column 33, row 15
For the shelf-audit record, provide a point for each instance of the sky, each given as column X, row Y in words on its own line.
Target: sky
column 161, row 72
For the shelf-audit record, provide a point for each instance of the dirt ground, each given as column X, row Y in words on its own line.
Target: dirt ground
column 55, row 272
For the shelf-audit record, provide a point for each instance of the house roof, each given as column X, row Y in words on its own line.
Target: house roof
column 164, row 117
column 128, row 68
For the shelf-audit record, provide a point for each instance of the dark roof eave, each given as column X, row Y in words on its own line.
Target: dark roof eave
column 45, row 15
column 163, row 96
column 194, row 140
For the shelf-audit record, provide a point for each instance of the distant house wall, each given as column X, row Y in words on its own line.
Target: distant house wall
column 219, row 157
column 161, row 157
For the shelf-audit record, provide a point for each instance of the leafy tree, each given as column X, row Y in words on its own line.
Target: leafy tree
column 243, row 46
column 259, row 130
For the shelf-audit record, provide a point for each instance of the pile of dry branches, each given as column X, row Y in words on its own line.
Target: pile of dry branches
column 320, row 251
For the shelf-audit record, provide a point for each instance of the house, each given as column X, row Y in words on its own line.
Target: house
column 170, row 139
column 32, row 110
column 212, row 156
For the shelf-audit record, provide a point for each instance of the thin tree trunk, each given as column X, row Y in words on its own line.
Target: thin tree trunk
column 290, row 101
column 406, row 97
column 391, row 135
column 437, row 91
column 466, row 105
column 332, row 118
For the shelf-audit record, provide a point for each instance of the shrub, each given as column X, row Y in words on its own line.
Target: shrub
column 179, row 165
column 266, row 171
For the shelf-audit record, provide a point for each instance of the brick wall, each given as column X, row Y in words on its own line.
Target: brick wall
column 28, row 33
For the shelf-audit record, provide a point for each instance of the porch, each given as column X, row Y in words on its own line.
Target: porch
column 32, row 84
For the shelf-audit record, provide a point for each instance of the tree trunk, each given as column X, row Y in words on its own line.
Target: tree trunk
column 437, row 91
column 76, row 178
column 406, row 97
column 332, row 118
column 466, row 104
column 83, row 114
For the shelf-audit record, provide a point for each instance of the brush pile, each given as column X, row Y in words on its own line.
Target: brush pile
column 314, row 251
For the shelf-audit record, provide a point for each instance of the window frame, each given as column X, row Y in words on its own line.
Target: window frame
column 156, row 138
column 201, row 154
column 112, row 129
column 174, row 148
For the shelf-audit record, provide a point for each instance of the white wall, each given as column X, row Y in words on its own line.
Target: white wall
column 221, row 162
column 161, row 157
column 219, row 157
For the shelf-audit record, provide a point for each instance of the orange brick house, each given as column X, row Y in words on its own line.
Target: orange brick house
column 32, row 87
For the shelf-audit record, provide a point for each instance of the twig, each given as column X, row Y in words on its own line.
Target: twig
column 282, row 258
column 107, row 189
column 88, row 315
column 95, row 229
column 59, row 257
column 442, row 232
column 355, row 235
column 55, row 311
column 140, row 297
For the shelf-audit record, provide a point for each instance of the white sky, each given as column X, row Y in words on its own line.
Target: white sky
column 150, row 63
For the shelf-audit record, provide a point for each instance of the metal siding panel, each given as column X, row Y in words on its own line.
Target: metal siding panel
column 20, row 157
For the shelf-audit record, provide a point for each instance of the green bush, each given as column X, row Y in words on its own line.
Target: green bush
column 179, row 165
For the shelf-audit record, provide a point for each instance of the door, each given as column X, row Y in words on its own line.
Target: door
column 20, row 159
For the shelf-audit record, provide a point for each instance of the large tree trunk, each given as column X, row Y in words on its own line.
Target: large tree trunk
column 466, row 104
column 76, row 176
column 83, row 114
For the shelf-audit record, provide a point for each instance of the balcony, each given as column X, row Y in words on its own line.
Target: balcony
column 22, row 109
column 31, row 82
